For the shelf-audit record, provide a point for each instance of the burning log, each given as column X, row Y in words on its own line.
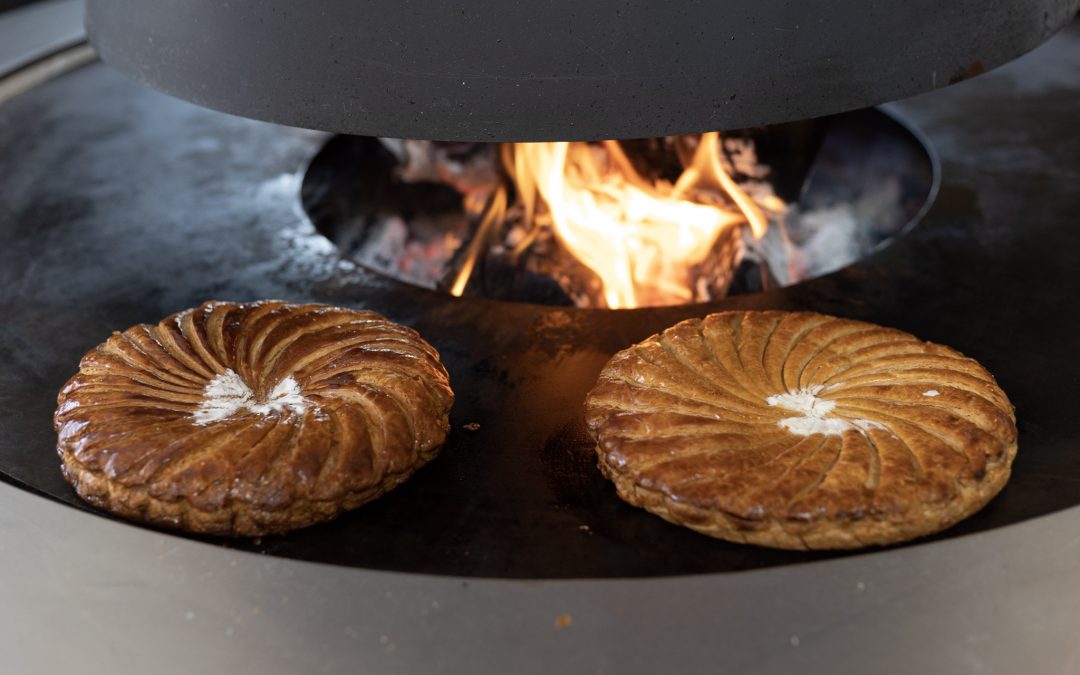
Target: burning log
column 618, row 223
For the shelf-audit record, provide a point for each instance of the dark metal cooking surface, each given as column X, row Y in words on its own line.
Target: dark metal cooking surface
column 119, row 205
column 558, row 70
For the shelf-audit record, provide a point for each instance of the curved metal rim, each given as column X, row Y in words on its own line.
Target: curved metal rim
column 44, row 69
column 934, row 158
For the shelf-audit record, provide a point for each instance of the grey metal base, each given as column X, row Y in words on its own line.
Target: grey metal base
column 82, row 594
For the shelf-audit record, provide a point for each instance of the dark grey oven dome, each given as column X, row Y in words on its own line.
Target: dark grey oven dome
column 559, row 69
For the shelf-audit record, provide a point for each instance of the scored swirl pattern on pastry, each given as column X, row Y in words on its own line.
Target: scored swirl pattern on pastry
column 799, row 430
column 251, row 418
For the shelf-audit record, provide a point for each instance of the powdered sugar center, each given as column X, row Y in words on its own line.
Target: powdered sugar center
column 815, row 414
column 227, row 395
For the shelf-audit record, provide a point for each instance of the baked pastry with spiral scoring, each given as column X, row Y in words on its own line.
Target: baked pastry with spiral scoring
column 249, row 419
column 802, row 431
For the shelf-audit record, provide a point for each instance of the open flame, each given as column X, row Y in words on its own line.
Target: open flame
column 641, row 237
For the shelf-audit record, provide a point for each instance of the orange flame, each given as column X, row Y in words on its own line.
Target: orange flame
column 640, row 237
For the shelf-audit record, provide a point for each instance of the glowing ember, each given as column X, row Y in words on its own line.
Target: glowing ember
column 641, row 237
column 657, row 221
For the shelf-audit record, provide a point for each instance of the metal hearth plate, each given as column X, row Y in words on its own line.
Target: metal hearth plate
column 120, row 205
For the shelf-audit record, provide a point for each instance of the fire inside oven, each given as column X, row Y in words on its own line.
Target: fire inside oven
column 622, row 224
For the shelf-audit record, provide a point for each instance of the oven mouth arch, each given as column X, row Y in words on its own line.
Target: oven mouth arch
column 858, row 143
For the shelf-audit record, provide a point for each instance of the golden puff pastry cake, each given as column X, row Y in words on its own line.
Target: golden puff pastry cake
column 801, row 431
column 253, row 418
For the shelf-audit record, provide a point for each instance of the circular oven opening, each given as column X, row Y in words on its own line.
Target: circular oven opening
column 639, row 223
